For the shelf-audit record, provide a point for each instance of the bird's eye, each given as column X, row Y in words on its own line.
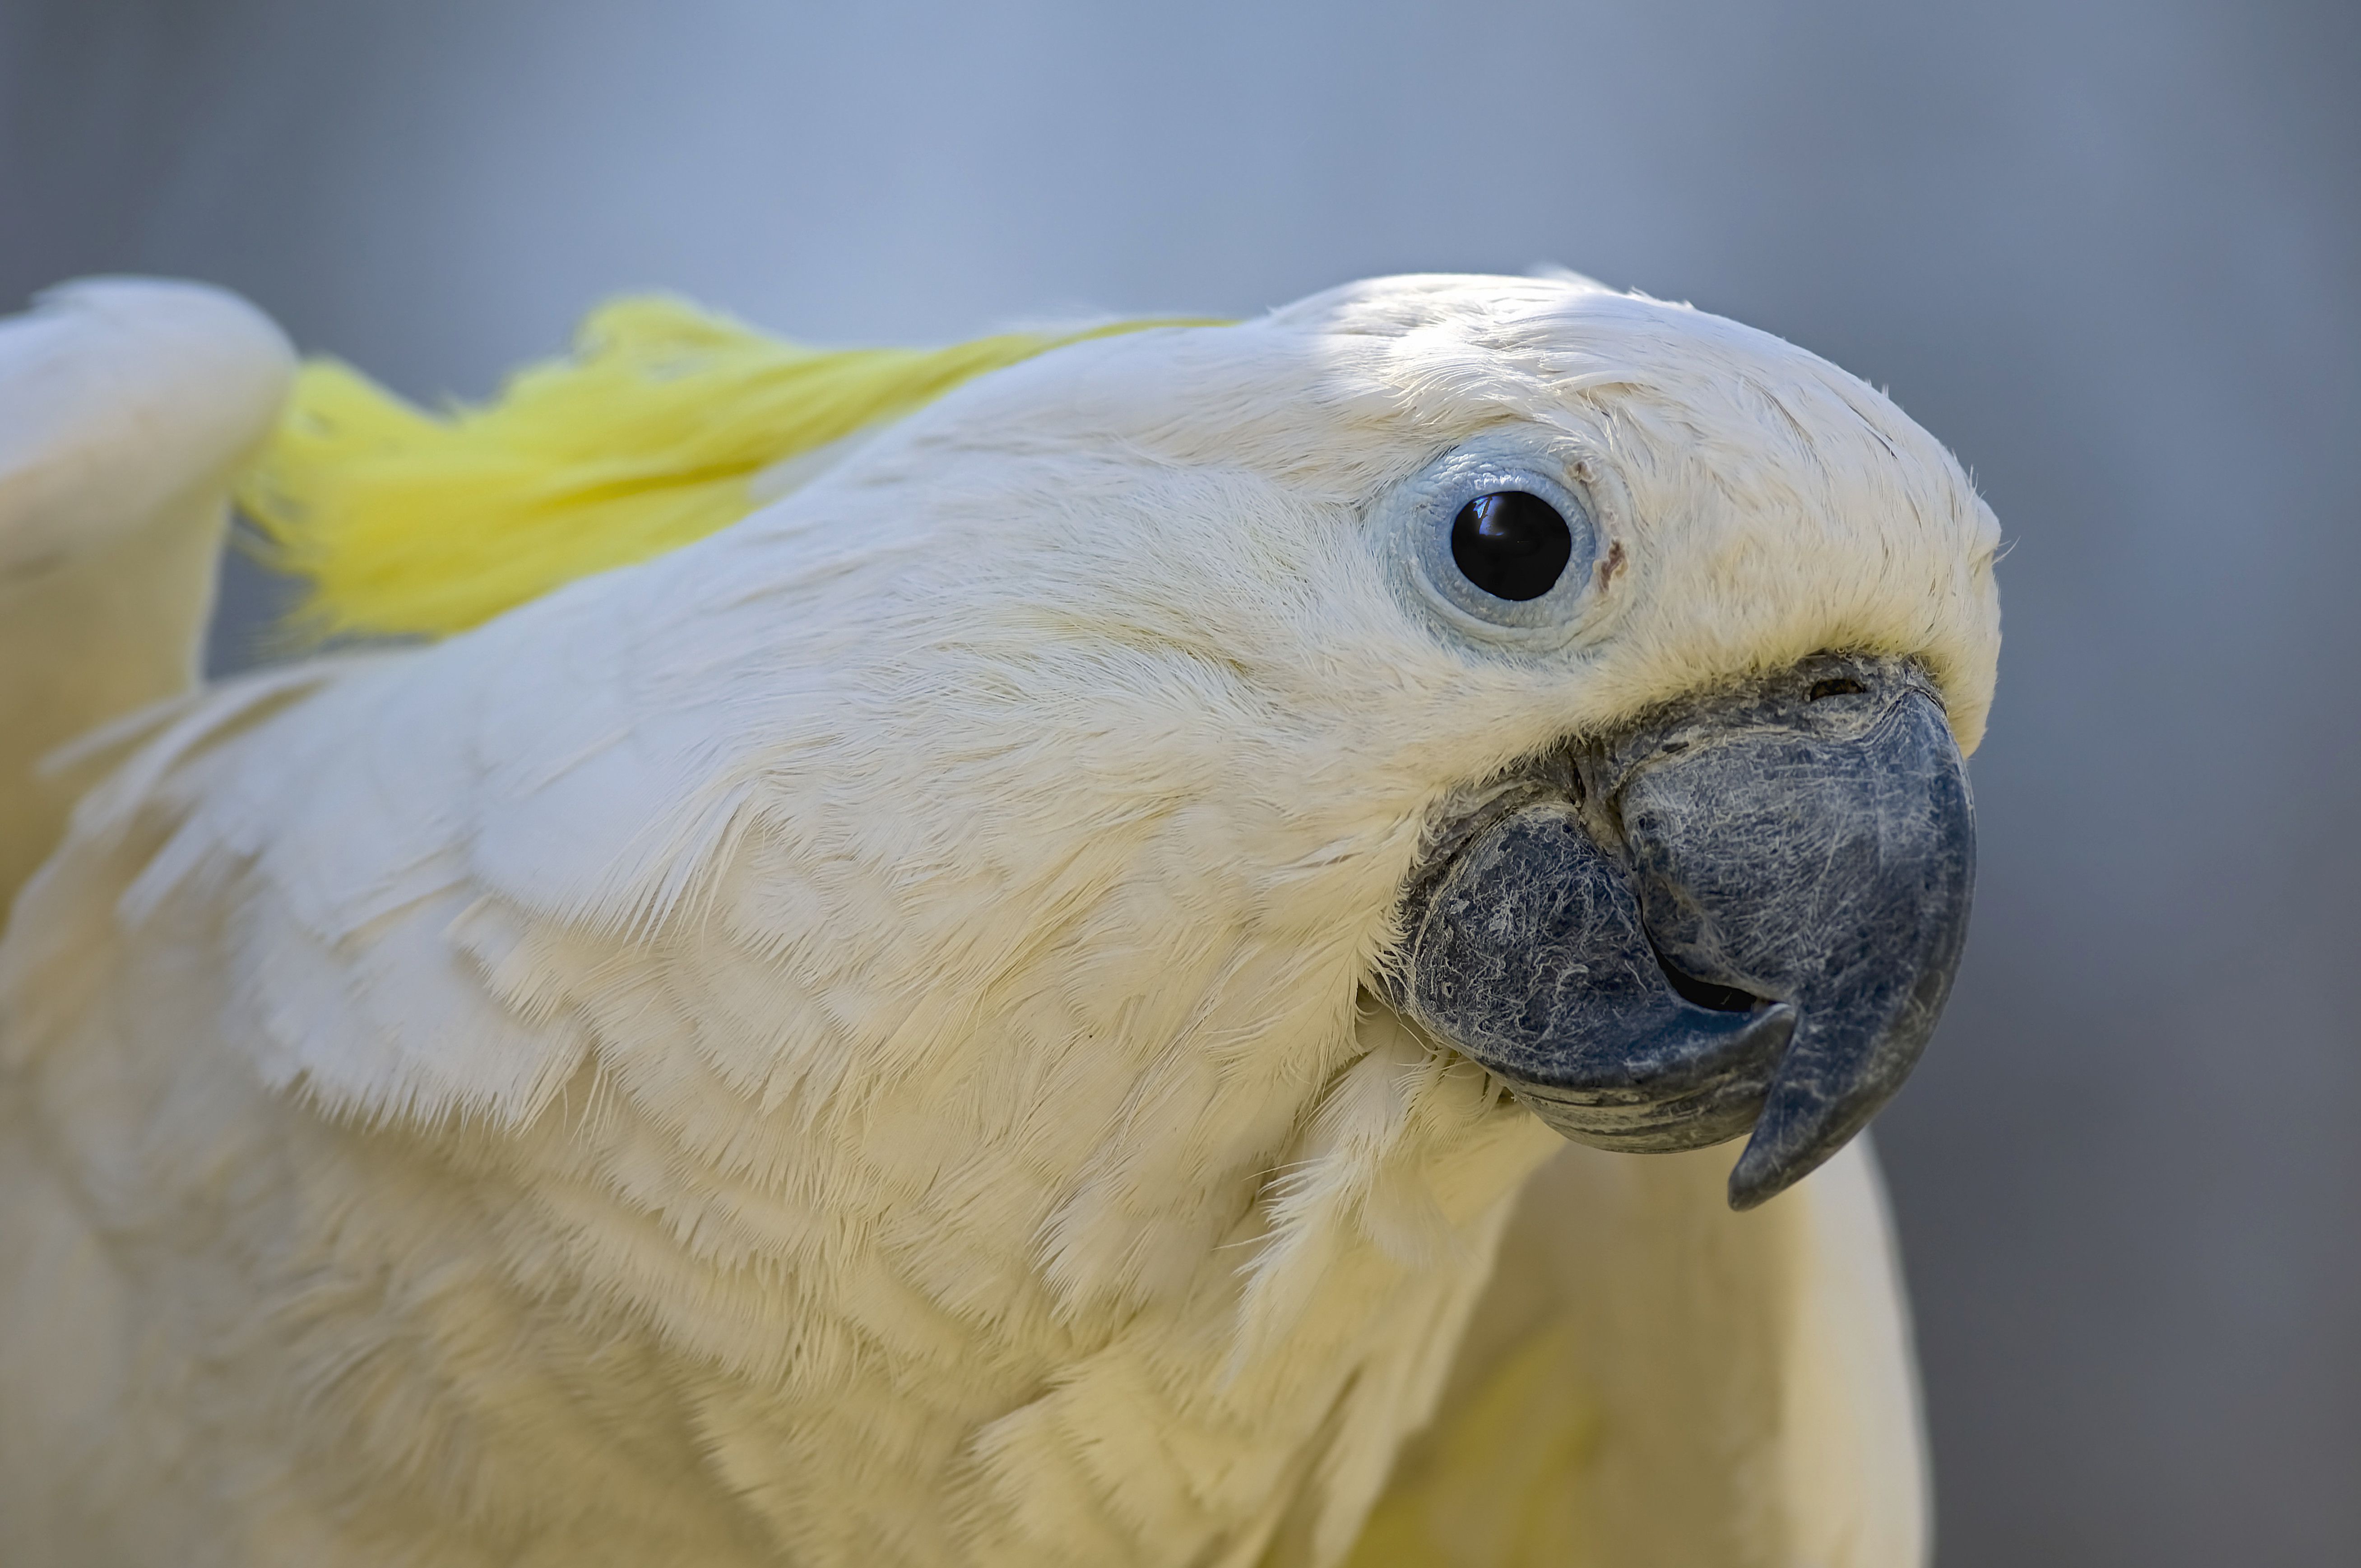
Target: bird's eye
column 1495, row 538
column 1511, row 544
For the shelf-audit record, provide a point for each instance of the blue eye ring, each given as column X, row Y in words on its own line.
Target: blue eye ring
column 1422, row 515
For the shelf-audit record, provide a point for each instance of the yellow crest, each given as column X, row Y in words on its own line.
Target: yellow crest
column 407, row 523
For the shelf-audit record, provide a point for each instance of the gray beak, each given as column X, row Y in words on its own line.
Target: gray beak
column 1744, row 912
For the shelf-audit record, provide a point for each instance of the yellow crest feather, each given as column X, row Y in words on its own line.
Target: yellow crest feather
column 406, row 523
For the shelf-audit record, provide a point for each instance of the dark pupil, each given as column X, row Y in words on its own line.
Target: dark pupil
column 1511, row 546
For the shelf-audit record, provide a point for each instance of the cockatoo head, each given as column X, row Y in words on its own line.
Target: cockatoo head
column 1080, row 764
column 1585, row 678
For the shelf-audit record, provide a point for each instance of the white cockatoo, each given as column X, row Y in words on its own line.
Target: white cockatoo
column 1071, row 989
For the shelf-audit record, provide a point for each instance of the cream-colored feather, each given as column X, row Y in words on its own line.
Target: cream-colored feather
column 1653, row 1380
column 125, row 407
column 846, row 1043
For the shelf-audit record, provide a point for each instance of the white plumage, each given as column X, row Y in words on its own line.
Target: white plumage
column 125, row 406
column 847, row 1043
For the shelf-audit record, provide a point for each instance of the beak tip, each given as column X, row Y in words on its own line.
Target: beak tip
column 1770, row 1164
column 1755, row 1181
column 1751, row 1190
column 1788, row 1144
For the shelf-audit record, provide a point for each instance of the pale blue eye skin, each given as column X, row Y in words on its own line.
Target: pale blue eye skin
column 1496, row 540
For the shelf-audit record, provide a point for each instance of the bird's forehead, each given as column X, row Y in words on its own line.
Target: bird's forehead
column 1672, row 386
column 1363, row 382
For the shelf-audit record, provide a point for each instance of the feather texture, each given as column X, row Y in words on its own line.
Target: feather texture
column 846, row 1042
column 666, row 423
column 126, row 407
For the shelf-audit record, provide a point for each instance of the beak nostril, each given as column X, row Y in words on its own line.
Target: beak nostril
column 1841, row 686
column 1570, row 765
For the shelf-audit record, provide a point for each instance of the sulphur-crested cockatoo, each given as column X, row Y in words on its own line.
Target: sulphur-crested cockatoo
column 1070, row 988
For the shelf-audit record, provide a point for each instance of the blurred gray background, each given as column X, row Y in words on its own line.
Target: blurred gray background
column 2107, row 250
